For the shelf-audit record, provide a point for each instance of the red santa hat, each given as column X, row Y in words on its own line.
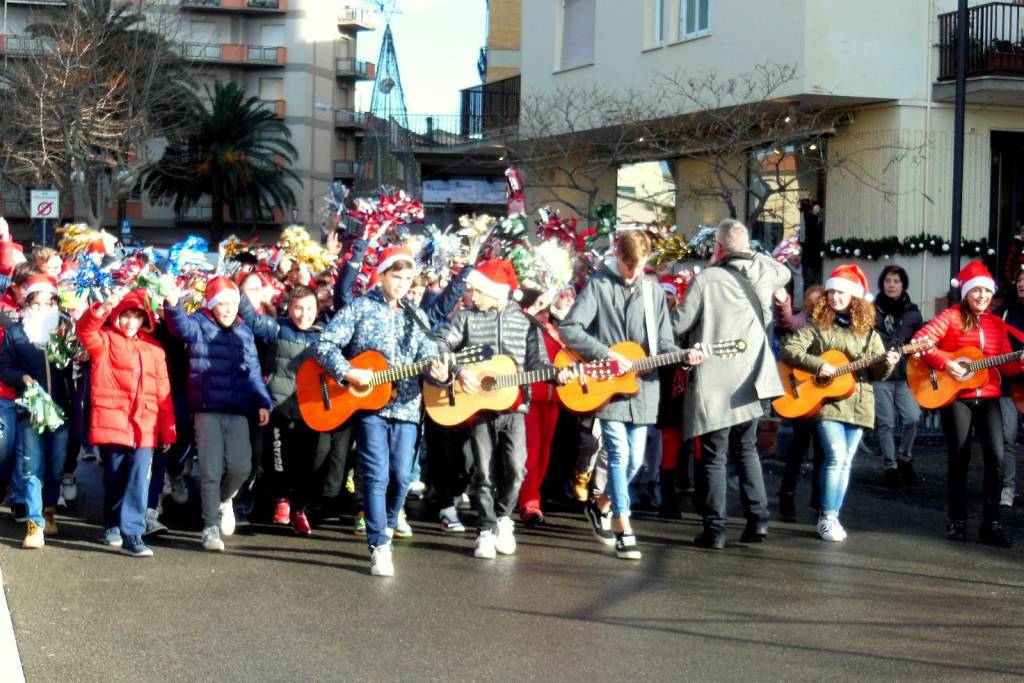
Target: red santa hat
column 11, row 254
column 849, row 278
column 220, row 289
column 496, row 278
column 393, row 255
column 974, row 274
column 40, row 283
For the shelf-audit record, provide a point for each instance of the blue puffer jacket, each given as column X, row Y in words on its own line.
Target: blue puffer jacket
column 224, row 369
column 20, row 357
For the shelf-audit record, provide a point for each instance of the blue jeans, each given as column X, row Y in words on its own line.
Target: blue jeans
column 385, row 448
column 8, row 437
column 125, row 487
column 40, row 463
column 625, row 443
column 839, row 441
column 893, row 398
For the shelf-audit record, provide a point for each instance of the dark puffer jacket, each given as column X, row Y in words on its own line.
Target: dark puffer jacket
column 224, row 370
column 507, row 332
column 897, row 321
column 289, row 347
column 19, row 357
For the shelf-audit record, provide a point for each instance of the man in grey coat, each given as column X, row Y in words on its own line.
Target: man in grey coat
column 619, row 304
column 723, row 402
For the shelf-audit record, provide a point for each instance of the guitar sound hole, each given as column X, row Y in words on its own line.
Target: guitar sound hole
column 487, row 384
column 822, row 381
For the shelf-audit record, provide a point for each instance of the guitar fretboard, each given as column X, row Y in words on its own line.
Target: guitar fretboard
column 868, row 362
column 671, row 358
column 521, row 378
column 399, row 373
column 993, row 361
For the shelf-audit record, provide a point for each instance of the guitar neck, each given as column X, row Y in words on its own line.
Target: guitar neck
column 400, row 373
column 651, row 362
column 521, row 378
column 858, row 365
column 993, row 361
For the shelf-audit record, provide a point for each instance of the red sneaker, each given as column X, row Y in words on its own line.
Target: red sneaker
column 282, row 511
column 302, row 526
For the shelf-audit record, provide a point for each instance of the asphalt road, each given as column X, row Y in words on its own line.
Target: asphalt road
column 895, row 601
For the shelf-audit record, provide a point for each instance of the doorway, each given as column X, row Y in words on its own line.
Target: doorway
column 1006, row 208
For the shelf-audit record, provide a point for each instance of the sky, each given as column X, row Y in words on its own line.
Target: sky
column 437, row 43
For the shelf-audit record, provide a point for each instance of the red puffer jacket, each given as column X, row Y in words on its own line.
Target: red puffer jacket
column 9, row 305
column 131, row 395
column 991, row 337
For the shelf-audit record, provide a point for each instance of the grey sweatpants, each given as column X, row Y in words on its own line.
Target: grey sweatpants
column 225, row 458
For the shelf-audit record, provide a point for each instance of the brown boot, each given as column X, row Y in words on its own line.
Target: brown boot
column 33, row 537
column 50, row 517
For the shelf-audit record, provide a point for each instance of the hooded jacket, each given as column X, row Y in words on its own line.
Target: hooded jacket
column 131, row 394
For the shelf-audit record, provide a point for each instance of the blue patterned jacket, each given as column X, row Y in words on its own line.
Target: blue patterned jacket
column 369, row 323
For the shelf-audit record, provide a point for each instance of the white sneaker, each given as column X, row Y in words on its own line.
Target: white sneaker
column 417, row 487
column 485, row 549
column 505, row 539
column 402, row 529
column 227, row 517
column 211, row 539
column 179, row 490
column 829, row 529
column 69, row 488
column 153, row 524
column 381, row 562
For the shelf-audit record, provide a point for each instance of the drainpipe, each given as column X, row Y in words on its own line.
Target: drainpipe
column 932, row 17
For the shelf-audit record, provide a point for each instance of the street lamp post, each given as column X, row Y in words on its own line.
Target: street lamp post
column 958, row 145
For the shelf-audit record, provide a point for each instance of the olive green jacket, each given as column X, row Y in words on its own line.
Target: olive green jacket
column 804, row 346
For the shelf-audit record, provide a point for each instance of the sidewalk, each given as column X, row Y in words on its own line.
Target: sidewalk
column 10, row 660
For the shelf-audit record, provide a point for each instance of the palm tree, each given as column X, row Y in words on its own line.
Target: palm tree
column 238, row 155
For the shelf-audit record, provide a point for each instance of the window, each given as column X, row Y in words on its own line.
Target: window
column 694, row 18
column 577, row 33
column 658, row 22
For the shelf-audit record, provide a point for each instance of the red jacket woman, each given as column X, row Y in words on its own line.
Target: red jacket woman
column 131, row 394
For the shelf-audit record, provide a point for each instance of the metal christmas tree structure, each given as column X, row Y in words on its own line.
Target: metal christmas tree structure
column 386, row 156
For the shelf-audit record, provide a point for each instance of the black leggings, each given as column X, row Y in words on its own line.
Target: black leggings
column 987, row 419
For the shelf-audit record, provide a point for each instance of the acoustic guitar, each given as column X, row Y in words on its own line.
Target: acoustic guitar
column 589, row 392
column 500, row 381
column 806, row 392
column 325, row 404
column 937, row 389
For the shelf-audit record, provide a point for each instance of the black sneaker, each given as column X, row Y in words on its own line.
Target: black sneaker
column 893, row 479
column 992, row 534
column 754, row 534
column 600, row 523
column 956, row 531
column 787, row 506
column 625, row 547
column 907, row 473
column 707, row 539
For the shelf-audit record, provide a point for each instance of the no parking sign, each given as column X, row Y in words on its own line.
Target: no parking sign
column 45, row 203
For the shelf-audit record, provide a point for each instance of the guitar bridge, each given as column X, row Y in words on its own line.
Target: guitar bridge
column 792, row 383
column 325, row 395
column 450, row 392
column 934, row 379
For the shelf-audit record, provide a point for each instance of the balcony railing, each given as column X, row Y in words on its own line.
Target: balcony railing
column 353, row 17
column 995, row 41
column 347, row 66
column 256, row 55
column 344, row 118
column 24, row 45
column 276, row 107
column 255, row 6
column 491, row 108
column 344, row 167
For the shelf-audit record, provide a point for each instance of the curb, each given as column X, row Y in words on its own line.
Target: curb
column 10, row 660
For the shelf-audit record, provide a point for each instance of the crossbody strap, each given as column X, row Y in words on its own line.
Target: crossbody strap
column 748, row 289
column 649, row 319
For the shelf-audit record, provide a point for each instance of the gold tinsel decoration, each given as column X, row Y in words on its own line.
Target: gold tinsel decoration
column 77, row 237
column 668, row 248
column 296, row 245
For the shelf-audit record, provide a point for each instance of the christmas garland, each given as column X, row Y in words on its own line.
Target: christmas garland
column 886, row 247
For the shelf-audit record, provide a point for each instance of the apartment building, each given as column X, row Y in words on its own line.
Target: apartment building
column 890, row 62
column 297, row 56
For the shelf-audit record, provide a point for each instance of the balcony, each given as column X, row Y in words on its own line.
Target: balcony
column 353, row 19
column 235, row 54
column 347, row 67
column 344, row 168
column 276, row 107
column 37, row 3
column 490, row 109
column 237, row 6
column 995, row 54
column 351, row 120
column 24, row 46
